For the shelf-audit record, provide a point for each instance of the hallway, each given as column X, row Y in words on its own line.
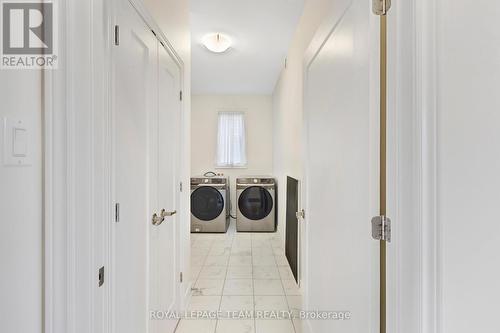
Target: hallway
column 239, row 274
column 357, row 136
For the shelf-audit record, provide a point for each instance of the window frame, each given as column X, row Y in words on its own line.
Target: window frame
column 244, row 116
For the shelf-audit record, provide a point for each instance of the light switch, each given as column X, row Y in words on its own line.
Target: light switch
column 19, row 142
column 17, row 139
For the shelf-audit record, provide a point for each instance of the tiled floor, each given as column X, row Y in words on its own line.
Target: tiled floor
column 241, row 272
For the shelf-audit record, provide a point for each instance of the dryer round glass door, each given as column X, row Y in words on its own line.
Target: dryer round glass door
column 207, row 203
column 255, row 203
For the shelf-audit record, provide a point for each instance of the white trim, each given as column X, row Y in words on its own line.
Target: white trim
column 413, row 274
column 48, row 201
column 60, row 179
column 150, row 22
column 394, row 185
column 113, row 18
column 70, row 173
column 404, row 174
column 426, row 97
column 322, row 35
column 108, row 247
column 55, row 190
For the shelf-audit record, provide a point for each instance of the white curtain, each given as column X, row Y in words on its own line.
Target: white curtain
column 231, row 140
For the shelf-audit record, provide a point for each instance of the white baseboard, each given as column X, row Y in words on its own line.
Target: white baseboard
column 186, row 298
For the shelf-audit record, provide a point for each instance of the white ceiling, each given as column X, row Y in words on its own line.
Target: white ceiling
column 261, row 31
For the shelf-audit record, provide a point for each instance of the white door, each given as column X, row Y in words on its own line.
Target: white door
column 341, row 189
column 134, row 79
column 164, row 277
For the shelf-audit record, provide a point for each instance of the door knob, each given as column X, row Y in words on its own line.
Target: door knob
column 164, row 213
column 157, row 220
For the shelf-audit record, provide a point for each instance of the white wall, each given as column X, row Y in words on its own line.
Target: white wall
column 258, row 117
column 21, row 209
column 468, row 165
column 288, row 104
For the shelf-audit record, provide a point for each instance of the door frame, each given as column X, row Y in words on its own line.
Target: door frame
column 414, row 295
column 84, row 83
column 67, row 94
column 414, row 277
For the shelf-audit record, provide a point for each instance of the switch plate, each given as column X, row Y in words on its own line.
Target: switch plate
column 16, row 142
column 19, row 142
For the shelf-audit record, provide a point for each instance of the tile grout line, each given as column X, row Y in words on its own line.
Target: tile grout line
column 254, row 242
column 197, row 277
column 284, row 292
column 202, row 265
column 225, row 279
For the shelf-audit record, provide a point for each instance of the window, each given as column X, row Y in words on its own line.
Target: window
column 231, row 140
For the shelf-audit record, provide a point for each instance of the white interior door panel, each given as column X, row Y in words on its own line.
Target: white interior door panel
column 135, row 64
column 341, row 190
column 164, row 238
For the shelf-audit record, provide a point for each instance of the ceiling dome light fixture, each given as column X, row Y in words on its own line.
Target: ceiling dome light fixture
column 217, row 43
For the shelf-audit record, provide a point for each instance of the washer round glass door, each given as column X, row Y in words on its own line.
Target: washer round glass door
column 207, row 203
column 255, row 203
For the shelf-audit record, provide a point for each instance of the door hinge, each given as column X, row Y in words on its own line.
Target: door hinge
column 180, row 95
column 381, row 228
column 101, row 276
column 381, row 7
column 117, row 35
column 180, row 186
column 181, row 277
column 117, row 212
column 301, row 214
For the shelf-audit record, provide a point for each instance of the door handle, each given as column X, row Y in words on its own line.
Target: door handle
column 157, row 220
column 164, row 213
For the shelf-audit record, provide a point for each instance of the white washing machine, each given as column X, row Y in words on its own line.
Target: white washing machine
column 256, row 204
column 209, row 204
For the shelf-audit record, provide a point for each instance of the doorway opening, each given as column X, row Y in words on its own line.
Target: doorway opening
column 284, row 151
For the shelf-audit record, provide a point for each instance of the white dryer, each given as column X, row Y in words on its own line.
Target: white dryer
column 256, row 204
column 209, row 204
